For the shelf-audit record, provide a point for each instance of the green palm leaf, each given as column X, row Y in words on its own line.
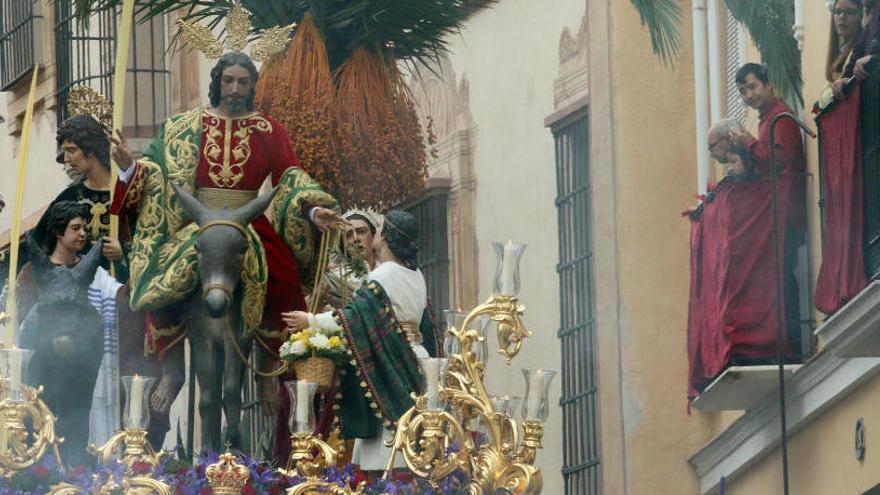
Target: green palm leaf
column 413, row 29
column 769, row 24
column 663, row 19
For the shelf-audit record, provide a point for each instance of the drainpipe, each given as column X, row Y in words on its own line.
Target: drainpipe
column 798, row 28
column 701, row 93
column 714, row 60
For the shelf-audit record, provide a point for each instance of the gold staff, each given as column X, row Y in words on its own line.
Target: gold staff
column 9, row 316
column 122, row 43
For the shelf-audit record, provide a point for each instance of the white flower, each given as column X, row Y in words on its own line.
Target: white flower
column 298, row 348
column 319, row 341
column 285, row 349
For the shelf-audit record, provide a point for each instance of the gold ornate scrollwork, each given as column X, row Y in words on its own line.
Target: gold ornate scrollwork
column 26, row 446
column 138, row 485
column 424, row 437
column 502, row 464
column 136, row 449
column 304, row 463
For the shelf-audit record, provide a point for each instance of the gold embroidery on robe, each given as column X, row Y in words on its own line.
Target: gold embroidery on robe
column 225, row 163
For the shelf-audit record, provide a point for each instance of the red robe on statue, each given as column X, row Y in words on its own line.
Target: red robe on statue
column 237, row 155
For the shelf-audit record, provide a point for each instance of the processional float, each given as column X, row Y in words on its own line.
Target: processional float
column 454, row 426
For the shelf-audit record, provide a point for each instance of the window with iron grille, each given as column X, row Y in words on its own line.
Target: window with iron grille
column 576, row 330
column 85, row 56
column 433, row 257
column 20, row 20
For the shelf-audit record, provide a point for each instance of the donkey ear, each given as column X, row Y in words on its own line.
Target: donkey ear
column 195, row 209
column 254, row 208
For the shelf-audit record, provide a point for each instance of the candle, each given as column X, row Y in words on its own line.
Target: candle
column 508, row 268
column 15, row 374
column 533, row 406
column 302, row 404
column 432, row 382
column 135, row 409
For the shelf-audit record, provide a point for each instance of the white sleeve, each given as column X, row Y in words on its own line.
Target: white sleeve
column 125, row 175
column 106, row 284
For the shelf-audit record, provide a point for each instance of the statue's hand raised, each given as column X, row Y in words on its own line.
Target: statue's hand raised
column 121, row 152
column 325, row 218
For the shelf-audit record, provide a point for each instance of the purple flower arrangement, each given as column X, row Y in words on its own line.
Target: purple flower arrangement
column 189, row 479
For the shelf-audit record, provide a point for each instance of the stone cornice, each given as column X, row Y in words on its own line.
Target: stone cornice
column 818, row 385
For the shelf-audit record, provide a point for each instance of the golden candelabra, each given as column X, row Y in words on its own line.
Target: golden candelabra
column 138, row 456
column 305, row 463
column 452, row 415
column 135, row 450
column 424, row 435
column 24, row 446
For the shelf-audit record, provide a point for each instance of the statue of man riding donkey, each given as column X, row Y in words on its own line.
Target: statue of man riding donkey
column 205, row 263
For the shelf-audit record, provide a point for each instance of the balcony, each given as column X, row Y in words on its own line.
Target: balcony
column 848, row 352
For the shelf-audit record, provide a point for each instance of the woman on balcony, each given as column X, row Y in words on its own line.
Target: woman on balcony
column 846, row 28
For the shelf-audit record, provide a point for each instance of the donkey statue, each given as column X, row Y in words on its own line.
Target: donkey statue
column 64, row 331
column 213, row 314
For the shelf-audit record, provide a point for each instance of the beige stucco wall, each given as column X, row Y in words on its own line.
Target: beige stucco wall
column 821, row 457
column 509, row 56
column 643, row 169
column 44, row 179
column 829, row 440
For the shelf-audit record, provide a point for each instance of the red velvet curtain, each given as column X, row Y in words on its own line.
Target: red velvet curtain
column 842, row 275
column 733, row 295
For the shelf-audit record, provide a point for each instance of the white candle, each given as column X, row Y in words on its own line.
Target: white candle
column 135, row 409
column 508, row 267
column 15, row 374
column 533, row 407
column 302, row 403
column 431, row 367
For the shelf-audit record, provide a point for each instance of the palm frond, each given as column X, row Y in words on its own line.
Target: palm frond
column 412, row 29
column 663, row 19
column 769, row 24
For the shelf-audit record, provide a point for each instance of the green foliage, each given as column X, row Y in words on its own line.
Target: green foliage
column 663, row 19
column 769, row 23
column 413, row 29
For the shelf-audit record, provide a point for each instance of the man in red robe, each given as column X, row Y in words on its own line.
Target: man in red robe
column 223, row 153
column 787, row 155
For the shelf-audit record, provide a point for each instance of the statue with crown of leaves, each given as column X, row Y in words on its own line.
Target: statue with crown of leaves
column 217, row 157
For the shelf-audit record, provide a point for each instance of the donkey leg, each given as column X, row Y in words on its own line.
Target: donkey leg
column 207, row 357
column 233, row 378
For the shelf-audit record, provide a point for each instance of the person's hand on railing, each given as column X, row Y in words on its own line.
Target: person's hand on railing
column 838, row 88
column 861, row 71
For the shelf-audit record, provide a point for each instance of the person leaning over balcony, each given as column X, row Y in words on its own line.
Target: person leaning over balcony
column 725, row 151
column 846, row 28
column 868, row 43
column 757, row 92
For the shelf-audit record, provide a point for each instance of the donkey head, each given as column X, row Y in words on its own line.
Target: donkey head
column 221, row 246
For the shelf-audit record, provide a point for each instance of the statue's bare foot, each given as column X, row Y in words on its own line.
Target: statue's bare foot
column 165, row 393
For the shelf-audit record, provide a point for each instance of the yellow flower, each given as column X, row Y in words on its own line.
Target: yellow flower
column 302, row 336
column 335, row 341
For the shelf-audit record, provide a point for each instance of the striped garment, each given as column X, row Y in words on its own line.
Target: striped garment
column 105, row 415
